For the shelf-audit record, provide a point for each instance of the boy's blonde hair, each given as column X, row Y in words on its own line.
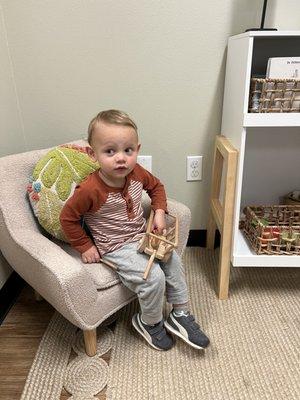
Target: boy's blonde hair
column 114, row 117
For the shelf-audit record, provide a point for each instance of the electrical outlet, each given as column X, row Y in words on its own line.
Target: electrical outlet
column 194, row 168
column 146, row 162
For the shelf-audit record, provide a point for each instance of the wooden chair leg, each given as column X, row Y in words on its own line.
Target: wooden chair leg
column 224, row 266
column 221, row 215
column 90, row 342
column 227, row 226
column 211, row 232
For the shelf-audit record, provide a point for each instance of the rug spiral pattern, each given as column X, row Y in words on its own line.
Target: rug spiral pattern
column 254, row 352
column 86, row 375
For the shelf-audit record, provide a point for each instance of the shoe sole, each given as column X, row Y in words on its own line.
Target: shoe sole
column 181, row 336
column 141, row 332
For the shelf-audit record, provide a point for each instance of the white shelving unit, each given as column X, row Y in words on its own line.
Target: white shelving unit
column 268, row 144
column 268, row 120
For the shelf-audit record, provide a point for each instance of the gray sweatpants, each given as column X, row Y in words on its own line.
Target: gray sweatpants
column 163, row 277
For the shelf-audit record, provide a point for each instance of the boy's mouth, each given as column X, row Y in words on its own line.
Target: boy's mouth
column 121, row 169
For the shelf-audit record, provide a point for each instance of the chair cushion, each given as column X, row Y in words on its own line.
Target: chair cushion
column 53, row 181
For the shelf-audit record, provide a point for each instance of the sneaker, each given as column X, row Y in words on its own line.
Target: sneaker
column 156, row 335
column 187, row 329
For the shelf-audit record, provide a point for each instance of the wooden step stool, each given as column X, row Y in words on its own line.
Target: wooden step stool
column 221, row 216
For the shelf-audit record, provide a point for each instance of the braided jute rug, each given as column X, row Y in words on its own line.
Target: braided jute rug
column 61, row 367
column 255, row 341
column 254, row 351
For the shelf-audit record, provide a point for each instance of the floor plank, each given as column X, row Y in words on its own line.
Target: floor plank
column 20, row 336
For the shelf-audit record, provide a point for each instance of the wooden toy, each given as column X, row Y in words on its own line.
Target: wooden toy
column 109, row 264
column 159, row 246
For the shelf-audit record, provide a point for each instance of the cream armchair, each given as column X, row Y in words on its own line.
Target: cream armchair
column 85, row 294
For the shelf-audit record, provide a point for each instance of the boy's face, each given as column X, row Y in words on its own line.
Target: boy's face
column 116, row 148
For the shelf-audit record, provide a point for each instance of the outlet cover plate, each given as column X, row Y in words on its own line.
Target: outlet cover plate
column 194, row 168
column 146, row 162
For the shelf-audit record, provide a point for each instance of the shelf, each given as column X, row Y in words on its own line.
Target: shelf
column 271, row 119
column 244, row 256
column 268, row 143
column 272, row 34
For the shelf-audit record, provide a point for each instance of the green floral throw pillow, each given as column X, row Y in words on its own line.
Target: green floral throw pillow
column 53, row 181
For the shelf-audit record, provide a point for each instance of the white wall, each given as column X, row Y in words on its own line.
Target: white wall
column 283, row 15
column 11, row 129
column 11, row 132
column 161, row 61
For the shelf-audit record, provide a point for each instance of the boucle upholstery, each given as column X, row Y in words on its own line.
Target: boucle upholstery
column 84, row 294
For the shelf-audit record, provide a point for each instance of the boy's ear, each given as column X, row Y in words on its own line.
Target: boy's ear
column 91, row 153
column 139, row 146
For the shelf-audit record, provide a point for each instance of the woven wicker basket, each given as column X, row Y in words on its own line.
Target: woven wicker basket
column 274, row 95
column 273, row 229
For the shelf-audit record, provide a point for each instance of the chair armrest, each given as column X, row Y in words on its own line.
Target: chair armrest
column 56, row 275
column 184, row 221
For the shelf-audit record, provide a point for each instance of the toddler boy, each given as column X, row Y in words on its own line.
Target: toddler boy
column 110, row 202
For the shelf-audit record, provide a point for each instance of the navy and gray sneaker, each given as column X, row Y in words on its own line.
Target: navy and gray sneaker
column 187, row 329
column 156, row 335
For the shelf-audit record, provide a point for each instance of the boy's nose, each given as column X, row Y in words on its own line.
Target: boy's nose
column 120, row 157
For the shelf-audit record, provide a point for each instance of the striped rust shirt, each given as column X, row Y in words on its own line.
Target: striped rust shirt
column 114, row 216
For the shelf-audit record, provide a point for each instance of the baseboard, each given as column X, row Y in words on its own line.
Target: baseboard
column 13, row 286
column 9, row 294
column 197, row 237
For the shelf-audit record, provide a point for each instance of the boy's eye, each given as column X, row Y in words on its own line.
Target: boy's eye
column 129, row 150
column 110, row 152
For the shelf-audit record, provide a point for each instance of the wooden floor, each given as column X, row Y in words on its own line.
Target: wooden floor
column 20, row 335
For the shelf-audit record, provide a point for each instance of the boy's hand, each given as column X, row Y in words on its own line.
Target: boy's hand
column 159, row 222
column 91, row 255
